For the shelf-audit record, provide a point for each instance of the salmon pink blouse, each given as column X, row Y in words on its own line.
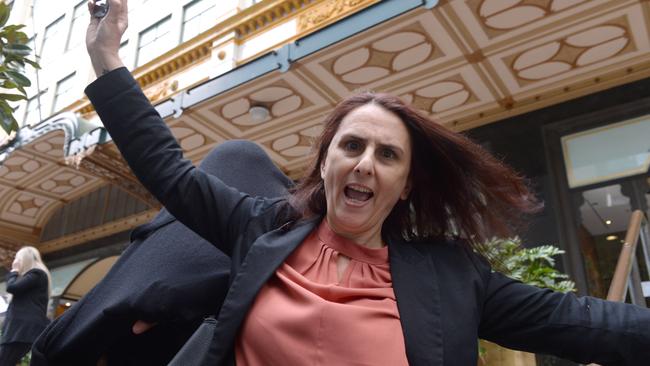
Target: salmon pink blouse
column 305, row 316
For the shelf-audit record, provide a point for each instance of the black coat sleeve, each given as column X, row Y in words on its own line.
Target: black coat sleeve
column 199, row 200
column 582, row 329
column 21, row 284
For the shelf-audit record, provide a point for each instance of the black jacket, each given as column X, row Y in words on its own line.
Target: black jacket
column 26, row 316
column 447, row 297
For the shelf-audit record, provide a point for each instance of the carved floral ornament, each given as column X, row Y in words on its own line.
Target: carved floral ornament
column 327, row 11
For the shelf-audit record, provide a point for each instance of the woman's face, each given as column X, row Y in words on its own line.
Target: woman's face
column 366, row 172
column 17, row 263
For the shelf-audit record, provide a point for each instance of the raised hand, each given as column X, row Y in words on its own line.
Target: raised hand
column 16, row 265
column 104, row 35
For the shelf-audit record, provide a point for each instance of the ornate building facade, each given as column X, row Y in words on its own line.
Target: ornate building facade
column 558, row 88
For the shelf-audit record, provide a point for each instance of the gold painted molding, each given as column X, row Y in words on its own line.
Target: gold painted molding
column 266, row 14
column 14, row 237
column 328, row 12
column 97, row 232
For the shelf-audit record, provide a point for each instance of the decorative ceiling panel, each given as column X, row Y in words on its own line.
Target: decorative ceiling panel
column 196, row 139
column 26, row 209
column 497, row 23
column 392, row 54
column 286, row 97
column 292, row 146
column 49, row 146
column 451, row 93
column 584, row 49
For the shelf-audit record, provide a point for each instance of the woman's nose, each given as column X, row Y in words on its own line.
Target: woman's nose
column 365, row 166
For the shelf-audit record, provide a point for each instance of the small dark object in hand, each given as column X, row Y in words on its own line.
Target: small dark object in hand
column 101, row 8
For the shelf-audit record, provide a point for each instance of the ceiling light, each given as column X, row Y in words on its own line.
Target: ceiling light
column 608, row 222
column 259, row 113
column 611, row 237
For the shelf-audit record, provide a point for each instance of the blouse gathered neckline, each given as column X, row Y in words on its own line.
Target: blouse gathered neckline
column 350, row 248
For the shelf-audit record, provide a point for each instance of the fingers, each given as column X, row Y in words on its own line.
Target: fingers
column 141, row 326
column 91, row 11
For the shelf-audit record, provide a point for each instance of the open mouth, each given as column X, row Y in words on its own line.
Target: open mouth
column 358, row 193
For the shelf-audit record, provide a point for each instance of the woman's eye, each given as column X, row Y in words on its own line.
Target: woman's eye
column 388, row 154
column 352, row 145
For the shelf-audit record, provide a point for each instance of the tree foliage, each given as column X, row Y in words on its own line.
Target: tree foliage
column 14, row 53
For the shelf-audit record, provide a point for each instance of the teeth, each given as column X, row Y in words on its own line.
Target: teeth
column 360, row 189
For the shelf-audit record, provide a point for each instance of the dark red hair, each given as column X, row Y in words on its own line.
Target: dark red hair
column 458, row 189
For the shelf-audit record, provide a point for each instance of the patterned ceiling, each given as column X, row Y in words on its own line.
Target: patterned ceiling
column 34, row 181
column 467, row 63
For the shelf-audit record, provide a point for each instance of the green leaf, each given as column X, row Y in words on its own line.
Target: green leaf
column 18, row 78
column 12, row 97
column 33, row 63
column 7, row 121
column 4, row 14
column 8, row 84
column 17, row 49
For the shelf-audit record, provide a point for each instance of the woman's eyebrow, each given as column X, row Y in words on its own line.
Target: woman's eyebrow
column 365, row 140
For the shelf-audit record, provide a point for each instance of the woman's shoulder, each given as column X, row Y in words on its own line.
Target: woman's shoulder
column 37, row 272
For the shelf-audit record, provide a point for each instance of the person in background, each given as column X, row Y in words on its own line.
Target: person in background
column 29, row 282
column 154, row 297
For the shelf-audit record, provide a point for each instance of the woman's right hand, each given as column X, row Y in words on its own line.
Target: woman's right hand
column 16, row 265
column 105, row 34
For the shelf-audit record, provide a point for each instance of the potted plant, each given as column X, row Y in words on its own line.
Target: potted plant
column 534, row 266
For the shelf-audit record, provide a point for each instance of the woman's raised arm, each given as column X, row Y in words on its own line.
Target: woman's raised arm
column 200, row 201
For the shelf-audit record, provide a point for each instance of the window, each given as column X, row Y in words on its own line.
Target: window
column 64, row 94
column 52, row 40
column 32, row 110
column 80, row 20
column 198, row 16
column 611, row 152
column 154, row 41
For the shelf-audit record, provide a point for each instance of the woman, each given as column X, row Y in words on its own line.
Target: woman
column 362, row 264
column 29, row 283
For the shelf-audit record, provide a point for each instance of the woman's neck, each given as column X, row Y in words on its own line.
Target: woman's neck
column 369, row 238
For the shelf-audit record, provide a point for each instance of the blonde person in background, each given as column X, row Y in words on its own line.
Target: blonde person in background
column 29, row 283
